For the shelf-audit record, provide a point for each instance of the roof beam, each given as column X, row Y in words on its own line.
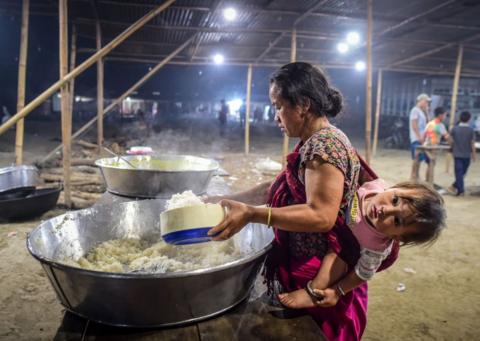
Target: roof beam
column 205, row 18
column 295, row 23
column 86, row 21
column 432, row 51
column 39, row 9
column 415, row 17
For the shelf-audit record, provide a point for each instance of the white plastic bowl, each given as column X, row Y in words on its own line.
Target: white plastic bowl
column 190, row 224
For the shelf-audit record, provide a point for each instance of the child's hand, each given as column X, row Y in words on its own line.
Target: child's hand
column 330, row 297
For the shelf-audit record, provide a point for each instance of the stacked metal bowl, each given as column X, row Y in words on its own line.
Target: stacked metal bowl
column 157, row 176
column 19, row 196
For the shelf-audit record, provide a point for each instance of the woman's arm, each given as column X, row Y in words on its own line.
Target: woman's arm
column 324, row 191
column 257, row 195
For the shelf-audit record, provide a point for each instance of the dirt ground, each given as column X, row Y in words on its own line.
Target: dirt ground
column 441, row 300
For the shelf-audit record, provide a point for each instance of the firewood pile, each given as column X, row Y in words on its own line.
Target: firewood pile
column 87, row 185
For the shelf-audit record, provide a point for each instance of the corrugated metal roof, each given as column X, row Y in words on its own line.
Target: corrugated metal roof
column 402, row 29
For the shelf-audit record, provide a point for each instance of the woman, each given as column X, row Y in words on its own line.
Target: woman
column 308, row 198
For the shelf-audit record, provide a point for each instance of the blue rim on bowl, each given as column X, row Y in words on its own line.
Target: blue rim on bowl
column 191, row 236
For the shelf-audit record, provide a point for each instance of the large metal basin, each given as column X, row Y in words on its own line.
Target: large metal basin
column 146, row 181
column 140, row 300
column 18, row 179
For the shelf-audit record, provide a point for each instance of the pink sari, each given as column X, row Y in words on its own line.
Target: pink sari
column 346, row 320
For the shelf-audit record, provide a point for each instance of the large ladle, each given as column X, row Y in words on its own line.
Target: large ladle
column 119, row 157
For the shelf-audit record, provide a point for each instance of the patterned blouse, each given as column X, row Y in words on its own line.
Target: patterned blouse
column 330, row 145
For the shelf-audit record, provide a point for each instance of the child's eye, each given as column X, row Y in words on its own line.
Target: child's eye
column 395, row 200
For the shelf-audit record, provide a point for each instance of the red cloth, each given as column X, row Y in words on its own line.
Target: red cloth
column 347, row 319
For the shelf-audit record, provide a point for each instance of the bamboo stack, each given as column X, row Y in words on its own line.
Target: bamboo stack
column 86, row 183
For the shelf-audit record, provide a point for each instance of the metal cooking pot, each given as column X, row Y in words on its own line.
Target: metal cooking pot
column 136, row 299
column 33, row 205
column 147, row 181
column 18, row 179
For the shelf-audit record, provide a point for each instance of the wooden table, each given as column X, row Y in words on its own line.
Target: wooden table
column 432, row 152
column 250, row 321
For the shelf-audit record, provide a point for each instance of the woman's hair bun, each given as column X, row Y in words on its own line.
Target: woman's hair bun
column 336, row 103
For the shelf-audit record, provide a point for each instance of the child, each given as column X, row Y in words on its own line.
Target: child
column 463, row 147
column 409, row 212
column 435, row 129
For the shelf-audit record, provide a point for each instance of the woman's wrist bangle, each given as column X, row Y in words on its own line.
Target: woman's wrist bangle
column 269, row 217
column 340, row 290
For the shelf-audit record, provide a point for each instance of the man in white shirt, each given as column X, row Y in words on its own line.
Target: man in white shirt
column 417, row 122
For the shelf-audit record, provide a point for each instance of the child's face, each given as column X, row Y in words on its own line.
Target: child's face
column 389, row 213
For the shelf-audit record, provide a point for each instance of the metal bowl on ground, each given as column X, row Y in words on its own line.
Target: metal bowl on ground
column 158, row 176
column 140, row 299
column 18, row 181
column 32, row 205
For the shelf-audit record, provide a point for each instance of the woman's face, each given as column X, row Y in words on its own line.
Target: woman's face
column 389, row 213
column 289, row 118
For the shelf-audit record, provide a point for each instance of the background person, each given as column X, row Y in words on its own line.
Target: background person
column 418, row 120
column 462, row 139
column 435, row 130
column 222, row 116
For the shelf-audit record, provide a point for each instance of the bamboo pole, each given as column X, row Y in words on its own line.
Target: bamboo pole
column 293, row 58
column 22, row 70
column 456, row 81
column 99, row 90
column 82, row 67
column 248, row 104
column 378, row 107
column 123, row 96
column 65, row 100
column 73, row 56
column 453, row 108
column 368, row 99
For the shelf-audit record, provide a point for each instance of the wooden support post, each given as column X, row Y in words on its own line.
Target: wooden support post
column 248, row 104
column 65, row 99
column 453, row 107
column 99, row 90
column 368, row 97
column 22, row 70
column 378, row 107
column 293, row 58
column 82, row 67
column 73, row 57
column 124, row 95
column 456, row 81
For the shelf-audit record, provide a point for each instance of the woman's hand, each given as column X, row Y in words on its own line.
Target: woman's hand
column 236, row 217
column 212, row 200
column 330, row 297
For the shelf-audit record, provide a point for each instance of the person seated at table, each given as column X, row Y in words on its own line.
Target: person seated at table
column 435, row 129
column 462, row 139
column 409, row 212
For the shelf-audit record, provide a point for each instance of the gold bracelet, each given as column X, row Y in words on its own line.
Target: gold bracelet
column 269, row 219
